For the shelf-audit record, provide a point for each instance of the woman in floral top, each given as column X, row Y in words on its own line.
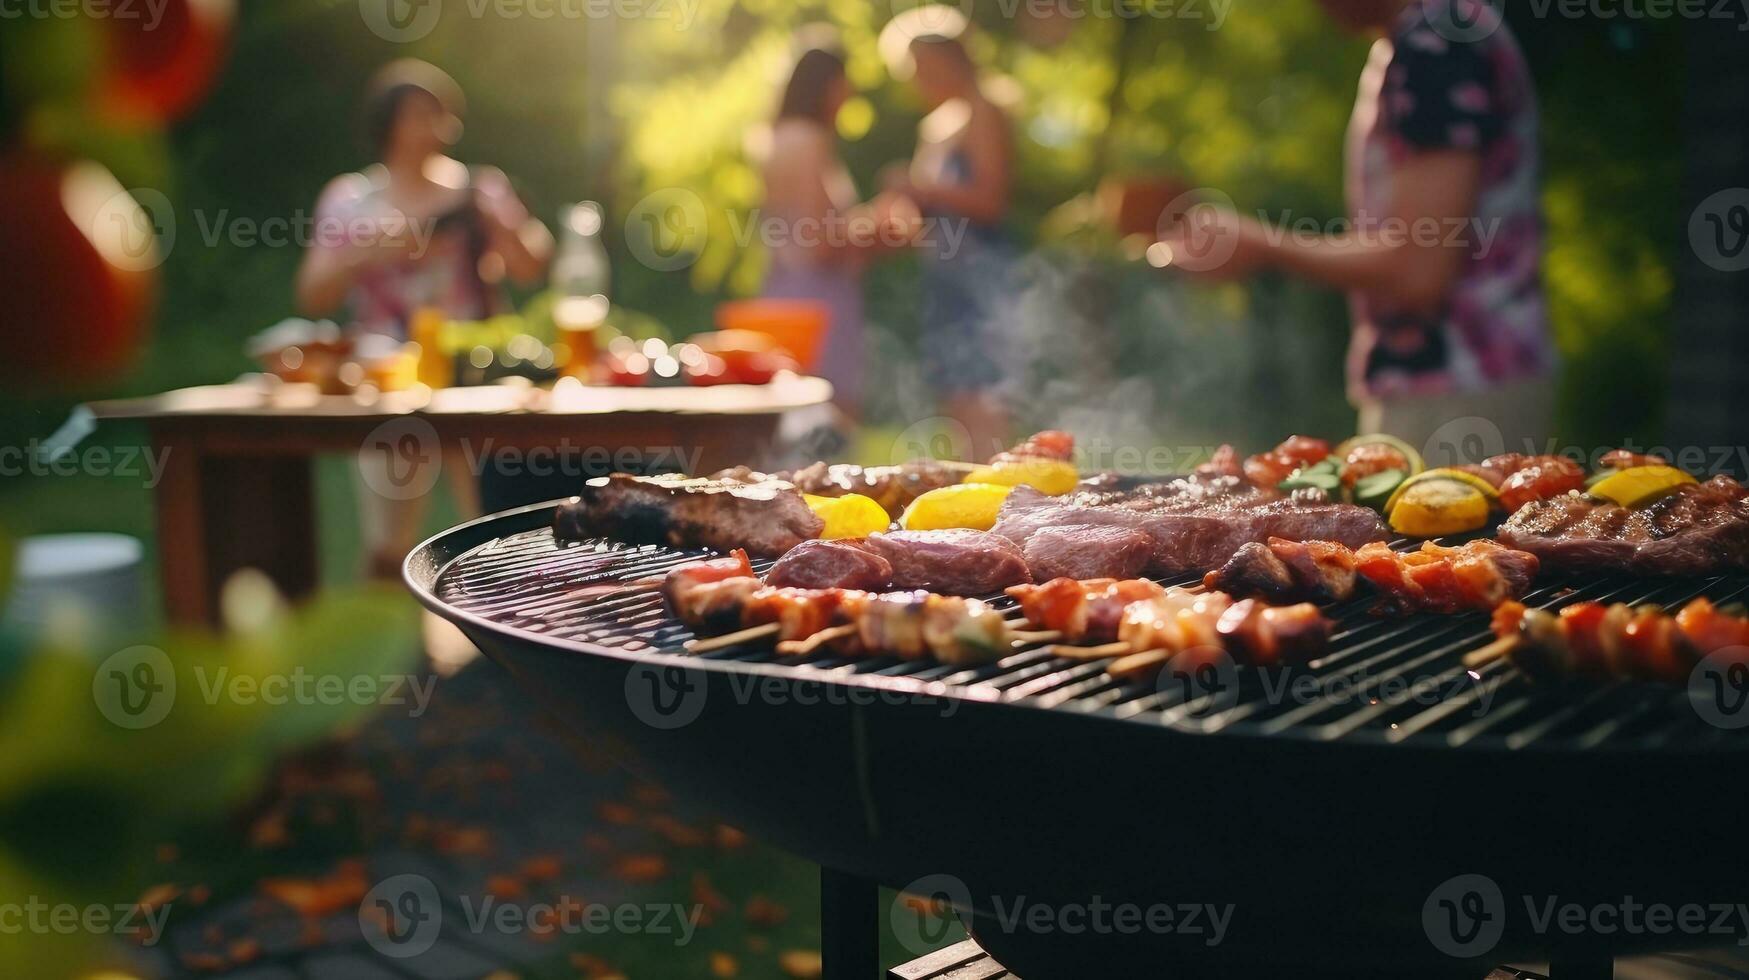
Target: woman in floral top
column 1443, row 258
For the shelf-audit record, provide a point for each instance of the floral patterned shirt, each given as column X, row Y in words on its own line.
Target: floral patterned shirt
column 1450, row 76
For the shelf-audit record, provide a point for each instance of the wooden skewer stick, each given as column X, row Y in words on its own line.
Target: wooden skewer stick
column 1138, row 664
column 1497, row 650
column 1036, row 636
column 733, row 639
column 796, row 648
column 1090, row 653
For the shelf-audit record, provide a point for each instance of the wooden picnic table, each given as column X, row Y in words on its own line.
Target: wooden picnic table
column 237, row 490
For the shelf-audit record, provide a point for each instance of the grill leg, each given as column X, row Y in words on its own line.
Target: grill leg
column 849, row 926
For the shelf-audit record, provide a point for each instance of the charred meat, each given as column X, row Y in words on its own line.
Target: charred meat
column 1699, row 529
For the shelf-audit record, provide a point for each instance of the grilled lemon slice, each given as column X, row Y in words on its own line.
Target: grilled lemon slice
column 1047, row 476
column 1475, row 482
column 1637, row 486
column 850, row 516
column 1440, row 506
column 972, row 505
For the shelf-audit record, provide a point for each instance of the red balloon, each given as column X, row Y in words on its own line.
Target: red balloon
column 77, row 272
column 160, row 66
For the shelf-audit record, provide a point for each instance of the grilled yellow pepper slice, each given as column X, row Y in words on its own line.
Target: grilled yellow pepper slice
column 972, row 505
column 850, row 516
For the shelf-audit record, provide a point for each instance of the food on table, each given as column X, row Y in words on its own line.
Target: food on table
column 955, row 562
column 1440, row 502
column 848, row 622
column 1085, row 551
column 842, row 564
column 767, row 519
column 1695, row 529
column 1616, row 640
column 1195, row 523
column 1083, row 610
column 1223, row 462
column 1297, row 452
column 972, row 505
column 1474, row 576
column 850, row 516
column 1636, row 486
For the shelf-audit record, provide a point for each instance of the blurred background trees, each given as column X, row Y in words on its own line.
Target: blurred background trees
column 669, row 104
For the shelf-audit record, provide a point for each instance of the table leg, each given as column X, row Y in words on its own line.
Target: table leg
column 221, row 513
column 849, row 926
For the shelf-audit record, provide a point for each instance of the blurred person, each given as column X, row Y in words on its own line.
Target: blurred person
column 960, row 178
column 417, row 229
column 1443, row 258
column 807, row 187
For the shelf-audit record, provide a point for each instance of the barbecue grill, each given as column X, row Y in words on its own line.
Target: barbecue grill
column 1330, row 816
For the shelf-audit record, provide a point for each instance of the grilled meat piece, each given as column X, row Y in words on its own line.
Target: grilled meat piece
column 1194, row 524
column 767, row 519
column 956, row 562
column 1084, row 551
column 893, row 487
column 1254, row 570
column 841, row 564
column 1700, row 529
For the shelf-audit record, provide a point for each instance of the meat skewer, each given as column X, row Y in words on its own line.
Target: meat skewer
column 1153, row 629
column 1614, row 640
column 1474, row 576
column 741, row 609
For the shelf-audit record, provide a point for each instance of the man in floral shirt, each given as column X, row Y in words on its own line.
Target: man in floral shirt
column 1443, row 258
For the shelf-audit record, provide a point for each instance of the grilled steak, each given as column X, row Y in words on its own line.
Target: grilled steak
column 843, row 564
column 767, row 518
column 1084, row 551
column 1696, row 530
column 958, row 562
column 1196, row 523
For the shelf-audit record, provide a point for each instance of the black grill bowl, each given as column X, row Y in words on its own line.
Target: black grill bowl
column 1329, row 830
